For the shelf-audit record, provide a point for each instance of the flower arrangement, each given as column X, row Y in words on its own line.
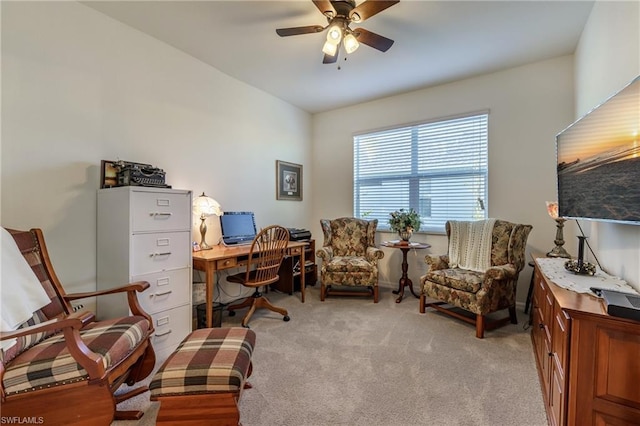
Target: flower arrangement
column 404, row 220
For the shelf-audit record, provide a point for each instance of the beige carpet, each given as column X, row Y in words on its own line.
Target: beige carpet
column 348, row 361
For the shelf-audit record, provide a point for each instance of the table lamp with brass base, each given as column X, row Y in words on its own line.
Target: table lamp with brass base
column 205, row 207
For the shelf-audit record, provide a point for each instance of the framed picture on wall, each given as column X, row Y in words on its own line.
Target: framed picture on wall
column 288, row 181
column 108, row 174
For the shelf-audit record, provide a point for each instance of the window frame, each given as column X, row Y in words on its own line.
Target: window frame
column 477, row 171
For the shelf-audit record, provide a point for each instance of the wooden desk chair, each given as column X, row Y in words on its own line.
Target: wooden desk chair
column 265, row 256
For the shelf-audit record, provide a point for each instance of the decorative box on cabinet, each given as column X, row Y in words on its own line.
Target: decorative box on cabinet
column 144, row 234
column 588, row 362
column 290, row 269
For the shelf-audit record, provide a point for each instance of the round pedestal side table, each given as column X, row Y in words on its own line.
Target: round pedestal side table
column 405, row 280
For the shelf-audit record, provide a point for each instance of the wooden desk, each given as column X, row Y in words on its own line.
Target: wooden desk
column 405, row 280
column 222, row 257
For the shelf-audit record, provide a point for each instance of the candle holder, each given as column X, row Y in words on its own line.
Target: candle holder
column 579, row 266
column 558, row 250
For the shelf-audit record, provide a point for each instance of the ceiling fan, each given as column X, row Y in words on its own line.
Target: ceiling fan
column 339, row 14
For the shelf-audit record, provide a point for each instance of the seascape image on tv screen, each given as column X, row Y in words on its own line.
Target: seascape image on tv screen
column 599, row 161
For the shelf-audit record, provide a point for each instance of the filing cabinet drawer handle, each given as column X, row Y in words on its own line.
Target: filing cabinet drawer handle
column 166, row 253
column 163, row 333
column 164, row 293
column 160, row 214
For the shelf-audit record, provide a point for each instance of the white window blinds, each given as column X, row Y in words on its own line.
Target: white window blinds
column 439, row 168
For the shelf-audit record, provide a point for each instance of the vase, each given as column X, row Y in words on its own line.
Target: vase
column 405, row 236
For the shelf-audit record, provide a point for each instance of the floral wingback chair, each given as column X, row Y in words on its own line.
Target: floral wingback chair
column 479, row 292
column 349, row 256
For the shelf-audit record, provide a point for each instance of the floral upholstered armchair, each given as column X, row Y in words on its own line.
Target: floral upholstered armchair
column 349, row 256
column 478, row 291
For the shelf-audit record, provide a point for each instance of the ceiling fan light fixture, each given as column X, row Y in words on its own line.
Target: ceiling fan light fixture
column 329, row 48
column 350, row 43
column 340, row 14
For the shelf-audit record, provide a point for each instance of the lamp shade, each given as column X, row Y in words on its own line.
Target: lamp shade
column 329, row 48
column 350, row 43
column 334, row 35
column 206, row 206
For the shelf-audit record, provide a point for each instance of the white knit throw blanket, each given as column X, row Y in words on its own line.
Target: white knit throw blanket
column 470, row 244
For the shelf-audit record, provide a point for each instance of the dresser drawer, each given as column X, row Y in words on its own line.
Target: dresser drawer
column 160, row 252
column 295, row 251
column 161, row 211
column 171, row 327
column 168, row 289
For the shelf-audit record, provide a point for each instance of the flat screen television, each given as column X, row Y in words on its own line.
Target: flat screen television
column 598, row 161
column 237, row 227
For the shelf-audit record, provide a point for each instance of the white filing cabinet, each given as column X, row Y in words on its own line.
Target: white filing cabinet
column 144, row 234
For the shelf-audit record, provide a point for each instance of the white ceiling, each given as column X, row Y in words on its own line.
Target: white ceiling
column 435, row 42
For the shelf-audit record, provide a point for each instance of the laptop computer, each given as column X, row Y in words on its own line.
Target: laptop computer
column 237, row 228
column 619, row 304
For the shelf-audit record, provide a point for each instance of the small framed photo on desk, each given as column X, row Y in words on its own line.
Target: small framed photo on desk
column 288, row 181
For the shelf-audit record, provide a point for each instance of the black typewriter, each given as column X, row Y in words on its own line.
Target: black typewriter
column 138, row 174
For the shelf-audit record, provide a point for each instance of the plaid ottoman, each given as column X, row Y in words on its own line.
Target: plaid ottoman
column 201, row 382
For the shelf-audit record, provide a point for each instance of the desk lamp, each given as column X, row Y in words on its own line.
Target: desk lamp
column 558, row 250
column 205, row 207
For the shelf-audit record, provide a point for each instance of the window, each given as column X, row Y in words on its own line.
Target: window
column 439, row 168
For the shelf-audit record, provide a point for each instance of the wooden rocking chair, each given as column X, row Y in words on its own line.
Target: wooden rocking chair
column 66, row 366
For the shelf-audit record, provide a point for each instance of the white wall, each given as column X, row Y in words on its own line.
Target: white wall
column 79, row 87
column 607, row 59
column 528, row 106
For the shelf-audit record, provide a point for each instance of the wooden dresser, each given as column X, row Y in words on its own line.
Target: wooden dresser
column 588, row 361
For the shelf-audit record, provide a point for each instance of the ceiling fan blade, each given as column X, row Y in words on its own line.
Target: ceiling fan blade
column 325, row 7
column 369, row 8
column 328, row 59
column 284, row 32
column 372, row 39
